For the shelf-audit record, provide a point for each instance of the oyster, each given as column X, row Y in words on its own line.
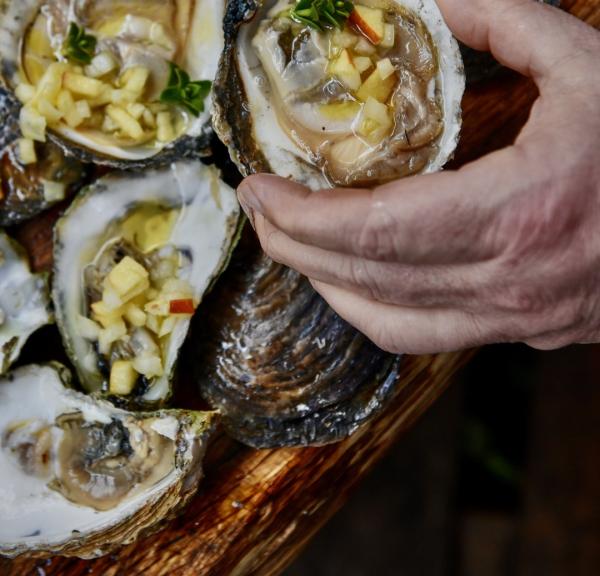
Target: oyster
column 28, row 189
column 376, row 100
column 121, row 83
column 24, row 301
column 279, row 365
column 134, row 255
column 78, row 476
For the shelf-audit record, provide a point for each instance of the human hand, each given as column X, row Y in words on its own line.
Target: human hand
column 505, row 249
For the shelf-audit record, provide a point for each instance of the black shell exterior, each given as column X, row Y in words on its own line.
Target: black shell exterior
column 279, row 364
column 231, row 120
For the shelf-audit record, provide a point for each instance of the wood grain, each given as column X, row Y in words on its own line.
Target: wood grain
column 257, row 509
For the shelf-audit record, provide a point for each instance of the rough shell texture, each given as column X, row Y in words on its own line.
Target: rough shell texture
column 24, row 301
column 193, row 431
column 233, row 117
column 279, row 364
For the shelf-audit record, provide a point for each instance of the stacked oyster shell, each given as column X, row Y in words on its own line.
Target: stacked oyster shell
column 93, row 463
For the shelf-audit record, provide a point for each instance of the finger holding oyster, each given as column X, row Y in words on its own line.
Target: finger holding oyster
column 120, row 83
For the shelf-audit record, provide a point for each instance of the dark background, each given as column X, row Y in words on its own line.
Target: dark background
column 501, row 477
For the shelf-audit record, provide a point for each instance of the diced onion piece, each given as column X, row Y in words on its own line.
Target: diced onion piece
column 25, row 92
column 54, row 191
column 26, row 149
column 364, row 47
column 111, row 334
column 388, row 36
column 385, row 68
column 149, row 366
column 182, row 306
column 165, row 131
column 82, row 85
column 88, row 329
column 362, row 63
column 127, row 123
column 123, row 378
column 32, row 124
column 101, row 65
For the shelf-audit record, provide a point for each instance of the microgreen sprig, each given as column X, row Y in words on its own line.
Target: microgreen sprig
column 79, row 46
column 321, row 14
column 182, row 91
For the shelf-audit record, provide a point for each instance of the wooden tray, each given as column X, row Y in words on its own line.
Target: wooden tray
column 256, row 510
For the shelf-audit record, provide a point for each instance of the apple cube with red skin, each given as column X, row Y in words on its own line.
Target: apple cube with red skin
column 182, row 306
column 344, row 70
column 369, row 22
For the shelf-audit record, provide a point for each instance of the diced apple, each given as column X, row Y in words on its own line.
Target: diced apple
column 123, row 378
column 343, row 39
column 135, row 316
column 128, row 278
column 83, row 109
column 49, row 112
column 134, row 79
column 51, row 82
column 340, row 110
column 104, row 315
column 344, row 70
column 362, row 63
column 369, row 22
column 376, row 87
column 32, row 124
column 153, row 323
column 111, row 298
column 82, row 85
column 24, row 92
column 168, row 326
column 26, row 149
column 65, row 102
column 165, row 131
column 385, row 68
column 149, row 118
column 389, row 36
column 127, row 123
column 136, row 109
column 122, row 97
column 54, row 191
column 376, row 121
column 183, row 306
column 158, row 307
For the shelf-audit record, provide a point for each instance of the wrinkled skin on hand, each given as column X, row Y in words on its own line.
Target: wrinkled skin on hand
column 505, row 249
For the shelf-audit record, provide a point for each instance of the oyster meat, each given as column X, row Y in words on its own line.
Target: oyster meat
column 78, row 476
column 277, row 362
column 375, row 100
column 134, row 256
column 24, row 301
column 122, row 83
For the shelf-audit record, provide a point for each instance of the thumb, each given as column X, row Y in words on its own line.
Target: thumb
column 525, row 35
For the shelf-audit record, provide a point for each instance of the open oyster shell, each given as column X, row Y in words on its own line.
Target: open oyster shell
column 294, row 101
column 134, row 256
column 79, row 477
column 27, row 190
column 105, row 106
column 24, row 301
column 277, row 362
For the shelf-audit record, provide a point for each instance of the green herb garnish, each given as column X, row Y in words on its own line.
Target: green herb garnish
column 181, row 90
column 79, row 46
column 322, row 14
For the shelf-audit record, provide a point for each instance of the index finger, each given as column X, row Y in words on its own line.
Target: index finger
column 436, row 218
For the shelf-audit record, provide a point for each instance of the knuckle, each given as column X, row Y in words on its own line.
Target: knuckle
column 376, row 237
column 366, row 275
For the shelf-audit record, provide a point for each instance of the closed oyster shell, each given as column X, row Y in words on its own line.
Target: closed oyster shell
column 277, row 362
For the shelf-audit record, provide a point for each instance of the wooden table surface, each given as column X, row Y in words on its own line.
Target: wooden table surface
column 256, row 510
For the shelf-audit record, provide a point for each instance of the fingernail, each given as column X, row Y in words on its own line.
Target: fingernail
column 248, row 198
